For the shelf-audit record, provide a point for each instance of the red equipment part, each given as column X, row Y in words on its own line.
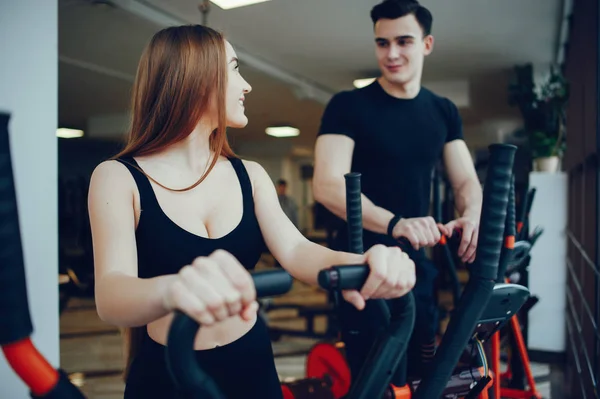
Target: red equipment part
column 31, row 366
column 326, row 361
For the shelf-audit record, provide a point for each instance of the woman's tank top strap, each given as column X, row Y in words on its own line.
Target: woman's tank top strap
column 245, row 183
column 147, row 196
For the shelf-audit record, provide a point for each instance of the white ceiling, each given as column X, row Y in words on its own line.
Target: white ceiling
column 327, row 43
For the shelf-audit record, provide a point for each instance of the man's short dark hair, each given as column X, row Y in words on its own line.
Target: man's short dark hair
column 393, row 9
column 281, row 182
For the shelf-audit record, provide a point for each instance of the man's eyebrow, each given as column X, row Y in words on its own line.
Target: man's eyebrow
column 382, row 39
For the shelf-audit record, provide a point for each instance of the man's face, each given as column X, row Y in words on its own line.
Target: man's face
column 401, row 48
column 281, row 189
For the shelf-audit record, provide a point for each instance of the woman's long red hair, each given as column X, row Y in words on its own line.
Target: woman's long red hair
column 181, row 78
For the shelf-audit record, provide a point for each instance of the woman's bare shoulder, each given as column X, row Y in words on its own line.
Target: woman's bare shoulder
column 111, row 176
column 261, row 181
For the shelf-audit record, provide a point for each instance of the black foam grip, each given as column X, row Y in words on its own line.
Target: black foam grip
column 510, row 230
column 15, row 319
column 523, row 204
column 189, row 378
column 354, row 213
column 493, row 211
column 349, row 277
column 272, row 283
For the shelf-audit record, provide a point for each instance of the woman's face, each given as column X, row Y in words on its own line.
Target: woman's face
column 237, row 87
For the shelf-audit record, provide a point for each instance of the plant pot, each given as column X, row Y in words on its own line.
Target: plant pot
column 546, row 164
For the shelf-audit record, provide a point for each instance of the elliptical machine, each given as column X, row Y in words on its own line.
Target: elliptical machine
column 460, row 368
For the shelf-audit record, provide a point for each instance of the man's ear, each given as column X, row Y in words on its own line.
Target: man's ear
column 428, row 40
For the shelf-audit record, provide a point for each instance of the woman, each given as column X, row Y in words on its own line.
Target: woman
column 165, row 239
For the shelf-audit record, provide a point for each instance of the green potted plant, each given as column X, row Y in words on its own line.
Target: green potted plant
column 543, row 110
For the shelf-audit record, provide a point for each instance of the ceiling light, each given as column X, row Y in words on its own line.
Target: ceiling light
column 282, row 131
column 229, row 4
column 65, row 133
column 359, row 83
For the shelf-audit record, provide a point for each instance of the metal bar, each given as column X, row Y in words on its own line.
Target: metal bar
column 575, row 354
column 583, row 300
column 584, row 255
column 580, row 335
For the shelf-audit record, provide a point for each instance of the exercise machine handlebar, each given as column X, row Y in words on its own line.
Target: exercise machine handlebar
column 386, row 353
column 510, row 232
column 187, row 375
column 482, row 273
column 16, row 327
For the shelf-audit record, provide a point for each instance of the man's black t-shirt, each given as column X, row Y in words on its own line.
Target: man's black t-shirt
column 398, row 142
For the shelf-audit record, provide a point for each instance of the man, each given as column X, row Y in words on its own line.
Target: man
column 393, row 132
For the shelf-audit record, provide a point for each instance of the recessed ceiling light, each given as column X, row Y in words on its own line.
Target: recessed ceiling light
column 65, row 133
column 229, row 4
column 359, row 83
column 282, row 131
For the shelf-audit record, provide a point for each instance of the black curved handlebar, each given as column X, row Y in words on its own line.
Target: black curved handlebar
column 183, row 367
column 385, row 355
column 482, row 273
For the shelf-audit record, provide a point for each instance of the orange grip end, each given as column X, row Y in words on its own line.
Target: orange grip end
column 443, row 240
column 509, row 242
column 31, row 366
column 402, row 392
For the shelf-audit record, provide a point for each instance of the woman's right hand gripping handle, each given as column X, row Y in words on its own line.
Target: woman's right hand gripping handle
column 212, row 289
column 386, row 353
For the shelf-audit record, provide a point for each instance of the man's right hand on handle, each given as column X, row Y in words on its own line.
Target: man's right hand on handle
column 212, row 289
column 420, row 232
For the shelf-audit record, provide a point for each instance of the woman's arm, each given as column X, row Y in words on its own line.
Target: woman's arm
column 122, row 298
column 392, row 273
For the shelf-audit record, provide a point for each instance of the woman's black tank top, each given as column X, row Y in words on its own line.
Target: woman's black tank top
column 163, row 247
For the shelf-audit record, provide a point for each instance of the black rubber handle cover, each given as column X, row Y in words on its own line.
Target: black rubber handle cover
column 181, row 361
column 510, row 230
column 482, row 274
column 272, row 283
column 350, row 277
column 511, row 222
column 354, row 213
column 528, row 205
column 64, row 389
column 493, row 211
column 15, row 319
column 523, row 204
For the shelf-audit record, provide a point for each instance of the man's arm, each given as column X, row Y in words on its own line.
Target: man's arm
column 333, row 159
column 468, row 196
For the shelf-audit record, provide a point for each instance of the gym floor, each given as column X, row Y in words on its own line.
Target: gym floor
column 91, row 350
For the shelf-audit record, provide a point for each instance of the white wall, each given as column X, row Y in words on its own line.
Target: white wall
column 548, row 268
column 29, row 92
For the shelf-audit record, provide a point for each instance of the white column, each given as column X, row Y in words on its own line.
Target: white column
column 548, row 268
column 29, row 92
